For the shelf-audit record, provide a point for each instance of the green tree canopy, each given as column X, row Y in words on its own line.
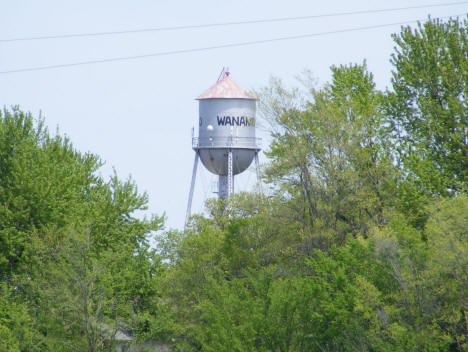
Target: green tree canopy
column 68, row 243
column 428, row 105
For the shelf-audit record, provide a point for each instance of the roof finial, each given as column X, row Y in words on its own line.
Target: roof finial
column 224, row 73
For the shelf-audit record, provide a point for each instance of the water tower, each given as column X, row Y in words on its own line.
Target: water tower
column 226, row 142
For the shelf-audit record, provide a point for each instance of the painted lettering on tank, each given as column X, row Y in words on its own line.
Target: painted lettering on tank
column 235, row 120
column 221, row 120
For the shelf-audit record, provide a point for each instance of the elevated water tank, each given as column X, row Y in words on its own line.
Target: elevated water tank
column 226, row 142
column 226, row 125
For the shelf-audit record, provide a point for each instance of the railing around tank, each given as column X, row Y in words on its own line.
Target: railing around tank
column 226, row 142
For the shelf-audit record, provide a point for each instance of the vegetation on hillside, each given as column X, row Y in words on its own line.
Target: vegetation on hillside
column 360, row 244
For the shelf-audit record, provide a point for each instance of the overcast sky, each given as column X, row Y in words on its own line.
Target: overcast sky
column 137, row 115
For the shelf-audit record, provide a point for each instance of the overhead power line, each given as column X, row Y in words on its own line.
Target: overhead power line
column 220, row 24
column 214, row 47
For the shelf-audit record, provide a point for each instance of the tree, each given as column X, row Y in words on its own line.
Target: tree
column 18, row 330
column 74, row 303
column 428, row 106
column 447, row 273
column 43, row 183
column 428, row 308
column 67, row 236
column 329, row 154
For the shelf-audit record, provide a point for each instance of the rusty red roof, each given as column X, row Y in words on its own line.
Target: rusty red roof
column 226, row 88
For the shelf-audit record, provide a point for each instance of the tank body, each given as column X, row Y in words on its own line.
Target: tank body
column 226, row 123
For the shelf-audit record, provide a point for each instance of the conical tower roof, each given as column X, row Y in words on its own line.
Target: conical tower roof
column 227, row 89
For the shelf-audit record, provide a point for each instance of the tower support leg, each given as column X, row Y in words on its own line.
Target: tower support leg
column 230, row 175
column 257, row 169
column 222, row 187
column 192, row 187
column 226, row 182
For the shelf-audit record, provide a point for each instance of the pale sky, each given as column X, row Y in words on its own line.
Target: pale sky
column 137, row 115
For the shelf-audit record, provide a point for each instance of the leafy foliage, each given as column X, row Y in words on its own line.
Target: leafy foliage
column 60, row 227
column 429, row 109
column 356, row 248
